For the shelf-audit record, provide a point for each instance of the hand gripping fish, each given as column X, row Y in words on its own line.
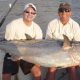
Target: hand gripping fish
column 46, row 53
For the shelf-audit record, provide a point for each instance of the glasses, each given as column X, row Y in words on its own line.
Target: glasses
column 61, row 10
column 33, row 13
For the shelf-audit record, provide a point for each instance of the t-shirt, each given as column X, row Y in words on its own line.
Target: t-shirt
column 17, row 29
column 56, row 30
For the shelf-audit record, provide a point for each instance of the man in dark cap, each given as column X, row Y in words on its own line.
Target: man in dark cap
column 63, row 25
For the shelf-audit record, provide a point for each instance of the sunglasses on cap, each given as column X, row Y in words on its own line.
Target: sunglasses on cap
column 63, row 10
column 27, row 12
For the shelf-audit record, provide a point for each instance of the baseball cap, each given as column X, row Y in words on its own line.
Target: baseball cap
column 30, row 4
column 64, row 6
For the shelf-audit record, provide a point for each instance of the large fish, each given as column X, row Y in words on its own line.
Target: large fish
column 46, row 53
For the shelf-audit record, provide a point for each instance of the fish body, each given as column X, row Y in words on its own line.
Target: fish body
column 48, row 53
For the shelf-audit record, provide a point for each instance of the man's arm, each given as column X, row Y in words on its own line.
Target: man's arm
column 9, row 32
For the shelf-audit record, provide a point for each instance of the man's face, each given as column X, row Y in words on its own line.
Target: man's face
column 29, row 14
column 64, row 15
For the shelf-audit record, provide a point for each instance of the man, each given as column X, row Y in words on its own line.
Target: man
column 22, row 29
column 63, row 25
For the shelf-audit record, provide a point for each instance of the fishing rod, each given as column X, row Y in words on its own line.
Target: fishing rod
column 10, row 8
column 2, row 21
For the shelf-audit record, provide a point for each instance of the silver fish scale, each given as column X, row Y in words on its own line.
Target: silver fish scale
column 46, row 53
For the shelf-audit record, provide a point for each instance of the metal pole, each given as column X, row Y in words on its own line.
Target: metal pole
column 3, row 19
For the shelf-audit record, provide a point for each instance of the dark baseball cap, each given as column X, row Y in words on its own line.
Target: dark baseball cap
column 64, row 6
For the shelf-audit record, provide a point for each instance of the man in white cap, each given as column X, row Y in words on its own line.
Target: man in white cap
column 63, row 25
column 18, row 30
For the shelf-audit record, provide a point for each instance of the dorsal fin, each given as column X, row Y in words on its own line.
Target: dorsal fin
column 28, row 37
column 66, row 43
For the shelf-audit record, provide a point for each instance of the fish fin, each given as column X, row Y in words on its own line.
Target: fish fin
column 66, row 42
column 28, row 37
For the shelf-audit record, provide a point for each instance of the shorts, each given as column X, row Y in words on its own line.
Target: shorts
column 12, row 67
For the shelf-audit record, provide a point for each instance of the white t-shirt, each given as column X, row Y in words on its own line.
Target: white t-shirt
column 17, row 29
column 56, row 30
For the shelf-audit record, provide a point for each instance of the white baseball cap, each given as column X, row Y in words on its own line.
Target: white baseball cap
column 28, row 5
